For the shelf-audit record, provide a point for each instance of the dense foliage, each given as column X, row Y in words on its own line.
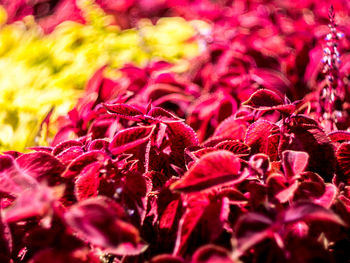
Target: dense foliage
column 41, row 72
column 241, row 156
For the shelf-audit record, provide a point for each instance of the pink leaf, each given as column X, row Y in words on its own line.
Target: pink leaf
column 213, row 169
column 343, row 158
column 257, row 136
column 130, row 138
column 164, row 258
column 237, row 147
column 187, row 225
column 251, row 229
column 78, row 164
column 88, row 182
column 65, row 145
column 70, row 154
column 288, row 193
column 12, row 180
column 327, row 199
column 40, row 165
column 294, row 162
column 263, row 98
column 231, row 128
column 124, row 111
column 337, row 136
column 101, row 222
column 31, row 202
column 305, row 211
column 211, row 253
column 162, row 115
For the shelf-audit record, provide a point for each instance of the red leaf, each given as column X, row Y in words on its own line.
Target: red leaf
column 188, row 223
column 337, row 136
column 213, row 169
column 125, row 111
column 181, row 136
column 98, row 144
column 257, row 136
column 327, row 199
column 166, row 259
column 65, row 145
column 263, row 99
column 12, row 180
column 251, row 229
column 54, row 255
column 70, row 154
column 343, row 157
column 294, row 162
column 31, row 202
column 78, row 164
column 168, row 217
column 100, row 221
column 40, row 165
column 305, row 211
column 161, row 115
column 231, row 128
column 88, row 182
column 315, row 142
column 237, row 147
column 130, row 138
column 211, row 253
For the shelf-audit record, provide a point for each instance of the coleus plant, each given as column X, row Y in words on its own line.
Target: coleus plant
column 223, row 163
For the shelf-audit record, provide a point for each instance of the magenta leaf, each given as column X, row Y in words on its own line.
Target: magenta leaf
column 12, row 179
column 235, row 146
column 270, row 79
column 130, row 138
column 169, row 215
column 161, row 115
column 101, row 222
column 338, row 136
column 213, row 169
column 288, row 193
column 47, row 149
column 78, row 164
column 98, row 144
column 343, row 158
column 40, row 165
column 36, row 201
column 317, row 145
column 257, row 136
column 59, row 148
column 294, row 162
column 164, row 258
column 251, row 229
column 55, row 255
column 264, row 98
column 188, row 223
column 327, row 199
column 125, row 111
column 231, row 128
column 211, row 253
column 87, row 183
column 305, row 211
column 70, row 154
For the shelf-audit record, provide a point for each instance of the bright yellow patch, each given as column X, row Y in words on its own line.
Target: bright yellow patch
column 40, row 71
